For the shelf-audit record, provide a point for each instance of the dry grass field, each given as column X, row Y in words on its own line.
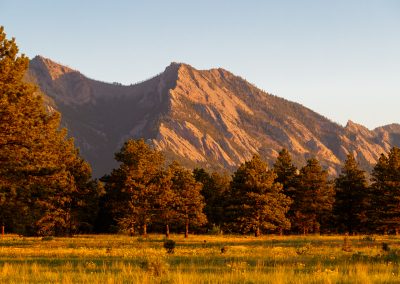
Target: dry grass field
column 198, row 259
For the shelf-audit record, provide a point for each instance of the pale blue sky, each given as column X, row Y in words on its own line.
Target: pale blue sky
column 340, row 58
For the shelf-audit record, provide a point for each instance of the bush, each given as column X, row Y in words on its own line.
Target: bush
column 169, row 245
column 385, row 247
column 215, row 230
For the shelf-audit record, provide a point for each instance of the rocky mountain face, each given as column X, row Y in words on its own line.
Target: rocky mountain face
column 209, row 118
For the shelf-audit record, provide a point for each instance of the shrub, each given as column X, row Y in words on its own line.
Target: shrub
column 215, row 230
column 385, row 247
column 169, row 245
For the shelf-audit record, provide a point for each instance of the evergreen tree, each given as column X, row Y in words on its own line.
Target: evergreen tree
column 286, row 172
column 385, row 193
column 134, row 186
column 257, row 200
column 215, row 189
column 190, row 202
column 351, row 199
column 287, row 175
column 313, row 199
column 37, row 179
column 166, row 200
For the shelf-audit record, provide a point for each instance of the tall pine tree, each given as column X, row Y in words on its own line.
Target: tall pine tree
column 257, row 201
column 313, row 199
column 215, row 189
column 133, row 187
column 189, row 201
column 385, row 193
column 351, row 199
column 38, row 179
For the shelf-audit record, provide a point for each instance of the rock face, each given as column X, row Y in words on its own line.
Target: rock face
column 210, row 118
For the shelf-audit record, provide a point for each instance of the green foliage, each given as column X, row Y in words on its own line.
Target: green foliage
column 313, row 198
column 133, row 188
column 286, row 172
column 169, row 245
column 42, row 176
column 257, row 202
column 189, row 201
column 215, row 188
column 385, row 193
column 351, row 199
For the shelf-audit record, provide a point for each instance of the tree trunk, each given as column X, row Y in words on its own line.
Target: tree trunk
column 304, row 231
column 397, row 231
column 70, row 224
column 2, row 231
column 257, row 233
column 187, row 228
column 132, row 231
column 280, row 232
column 145, row 230
column 167, row 231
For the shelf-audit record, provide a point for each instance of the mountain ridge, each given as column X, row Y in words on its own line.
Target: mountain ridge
column 210, row 118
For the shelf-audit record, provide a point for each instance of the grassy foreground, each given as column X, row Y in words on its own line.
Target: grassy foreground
column 268, row 259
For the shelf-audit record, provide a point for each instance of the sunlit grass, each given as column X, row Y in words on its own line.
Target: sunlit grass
column 267, row 259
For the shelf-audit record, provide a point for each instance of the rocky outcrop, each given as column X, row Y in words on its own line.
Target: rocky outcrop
column 209, row 118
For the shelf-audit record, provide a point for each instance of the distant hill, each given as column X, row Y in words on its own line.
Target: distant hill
column 208, row 118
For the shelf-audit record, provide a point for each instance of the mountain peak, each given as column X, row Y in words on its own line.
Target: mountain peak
column 209, row 118
column 55, row 70
column 351, row 125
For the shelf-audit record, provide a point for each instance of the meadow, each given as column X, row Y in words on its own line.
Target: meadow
column 200, row 259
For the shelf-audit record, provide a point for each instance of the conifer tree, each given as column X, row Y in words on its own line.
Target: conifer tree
column 313, row 199
column 166, row 201
column 134, row 186
column 287, row 175
column 37, row 177
column 286, row 172
column 385, row 193
column 257, row 199
column 190, row 202
column 215, row 189
column 351, row 199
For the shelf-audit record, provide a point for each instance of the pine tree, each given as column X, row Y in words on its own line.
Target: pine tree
column 313, row 199
column 166, row 200
column 190, row 202
column 215, row 189
column 287, row 175
column 134, row 186
column 351, row 199
column 286, row 172
column 385, row 193
column 257, row 199
column 35, row 177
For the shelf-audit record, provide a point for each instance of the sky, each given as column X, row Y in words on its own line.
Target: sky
column 340, row 58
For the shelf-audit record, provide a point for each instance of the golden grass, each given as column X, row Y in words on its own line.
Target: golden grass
column 268, row 259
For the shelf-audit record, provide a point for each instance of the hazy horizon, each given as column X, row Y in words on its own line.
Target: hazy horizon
column 339, row 59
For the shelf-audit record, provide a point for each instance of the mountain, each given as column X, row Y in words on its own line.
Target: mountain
column 209, row 118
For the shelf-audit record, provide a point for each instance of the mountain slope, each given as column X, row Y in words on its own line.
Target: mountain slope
column 207, row 118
